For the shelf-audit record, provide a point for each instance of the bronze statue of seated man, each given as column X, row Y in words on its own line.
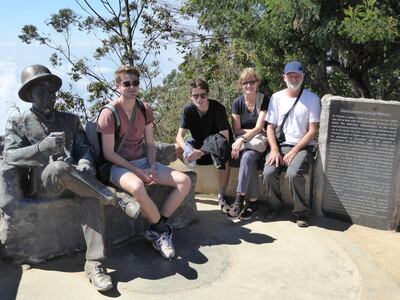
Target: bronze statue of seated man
column 53, row 147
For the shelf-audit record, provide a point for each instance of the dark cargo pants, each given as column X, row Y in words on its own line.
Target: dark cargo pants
column 295, row 176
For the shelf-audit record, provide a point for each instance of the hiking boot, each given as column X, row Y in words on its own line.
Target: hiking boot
column 98, row 275
column 161, row 242
column 303, row 221
column 128, row 205
column 236, row 208
column 223, row 204
column 248, row 212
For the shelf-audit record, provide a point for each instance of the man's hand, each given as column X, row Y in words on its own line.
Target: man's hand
column 147, row 176
column 195, row 155
column 274, row 159
column 152, row 175
column 53, row 143
column 288, row 158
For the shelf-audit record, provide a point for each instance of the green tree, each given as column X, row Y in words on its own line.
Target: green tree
column 128, row 32
column 169, row 98
column 350, row 47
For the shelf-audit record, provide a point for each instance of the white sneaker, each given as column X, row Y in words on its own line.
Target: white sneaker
column 161, row 242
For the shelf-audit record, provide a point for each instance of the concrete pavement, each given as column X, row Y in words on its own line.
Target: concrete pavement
column 221, row 259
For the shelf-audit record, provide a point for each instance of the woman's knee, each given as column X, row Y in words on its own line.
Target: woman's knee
column 249, row 158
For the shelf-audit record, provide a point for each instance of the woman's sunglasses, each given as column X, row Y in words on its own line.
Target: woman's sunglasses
column 250, row 82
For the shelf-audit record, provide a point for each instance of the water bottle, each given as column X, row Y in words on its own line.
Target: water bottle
column 186, row 153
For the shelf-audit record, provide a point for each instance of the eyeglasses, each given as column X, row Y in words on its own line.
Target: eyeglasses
column 129, row 83
column 251, row 82
column 197, row 96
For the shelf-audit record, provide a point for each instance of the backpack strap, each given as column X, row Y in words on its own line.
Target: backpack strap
column 259, row 101
column 142, row 108
column 117, row 122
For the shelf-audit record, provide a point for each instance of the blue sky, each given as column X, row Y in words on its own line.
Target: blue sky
column 15, row 55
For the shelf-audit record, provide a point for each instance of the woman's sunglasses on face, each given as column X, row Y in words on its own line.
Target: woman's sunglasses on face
column 251, row 82
column 128, row 83
column 197, row 96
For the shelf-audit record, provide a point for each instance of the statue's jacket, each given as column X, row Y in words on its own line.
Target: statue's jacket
column 24, row 131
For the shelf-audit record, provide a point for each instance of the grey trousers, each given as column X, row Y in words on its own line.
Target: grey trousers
column 53, row 180
column 247, row 178
column 295, row 176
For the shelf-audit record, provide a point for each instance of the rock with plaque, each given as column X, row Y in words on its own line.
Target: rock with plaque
column 357, row 174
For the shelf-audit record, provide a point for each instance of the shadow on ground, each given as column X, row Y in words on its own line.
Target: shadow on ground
column 195, row 245
column 286, row 215
column 10, row 276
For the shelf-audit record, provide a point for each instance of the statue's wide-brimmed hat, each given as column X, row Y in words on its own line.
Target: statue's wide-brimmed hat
column 34, row 74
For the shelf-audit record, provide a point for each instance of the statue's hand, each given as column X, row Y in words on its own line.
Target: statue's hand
column 53, row 143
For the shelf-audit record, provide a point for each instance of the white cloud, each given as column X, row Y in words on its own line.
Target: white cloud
column 9, row 86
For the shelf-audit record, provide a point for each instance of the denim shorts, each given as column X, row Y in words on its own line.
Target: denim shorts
column 141, row 163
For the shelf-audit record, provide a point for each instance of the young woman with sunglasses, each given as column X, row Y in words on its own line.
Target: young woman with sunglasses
column 135, row 166
column 247, row 121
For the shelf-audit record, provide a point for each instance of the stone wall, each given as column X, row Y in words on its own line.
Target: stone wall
column 207, row 182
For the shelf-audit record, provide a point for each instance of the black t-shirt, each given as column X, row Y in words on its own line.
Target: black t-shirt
column 248, row 120
column 200, row 127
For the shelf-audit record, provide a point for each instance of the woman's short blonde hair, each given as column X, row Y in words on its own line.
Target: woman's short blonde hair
column 246, row 74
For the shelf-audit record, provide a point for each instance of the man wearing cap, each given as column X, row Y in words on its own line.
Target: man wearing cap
column 294, row 154
column 52, row 145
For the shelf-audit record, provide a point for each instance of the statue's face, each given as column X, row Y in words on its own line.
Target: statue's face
column 43, row 96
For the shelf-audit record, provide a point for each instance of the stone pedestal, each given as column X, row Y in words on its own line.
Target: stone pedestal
column 358, row 170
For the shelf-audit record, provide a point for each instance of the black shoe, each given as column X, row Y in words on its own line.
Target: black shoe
column 236, row 208
column 248, row 212
column 223, row 204
column 98, row 276
column 303, row 221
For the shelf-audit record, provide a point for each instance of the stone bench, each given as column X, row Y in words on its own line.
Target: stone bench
column 207, row 181
column 34, row 230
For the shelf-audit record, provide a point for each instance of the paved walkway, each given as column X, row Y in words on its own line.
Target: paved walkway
column 220, row 259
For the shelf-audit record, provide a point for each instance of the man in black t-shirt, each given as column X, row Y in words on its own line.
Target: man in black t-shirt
column 204, row 117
